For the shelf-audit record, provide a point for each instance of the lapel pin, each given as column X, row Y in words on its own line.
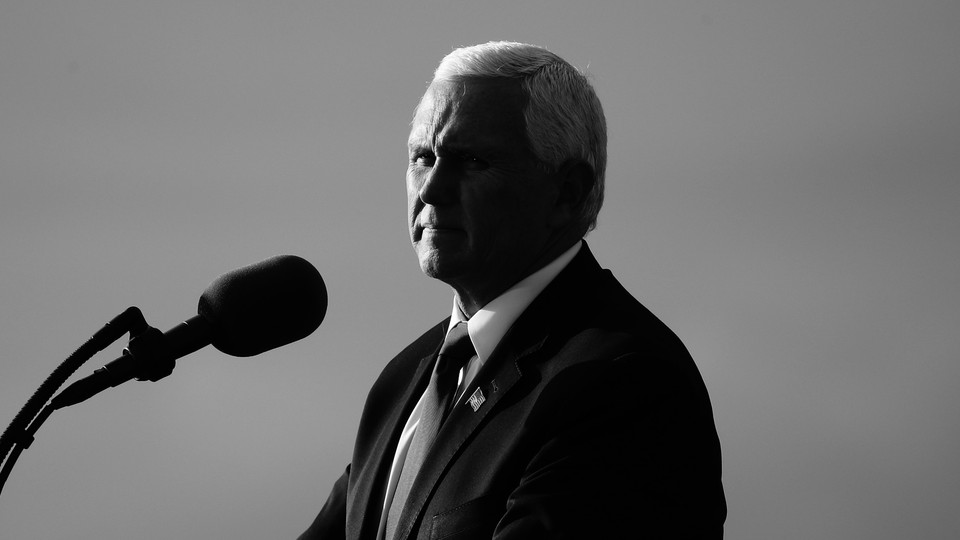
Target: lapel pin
column 476, row 400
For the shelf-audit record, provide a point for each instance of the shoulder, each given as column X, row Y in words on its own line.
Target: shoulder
column 603, row 346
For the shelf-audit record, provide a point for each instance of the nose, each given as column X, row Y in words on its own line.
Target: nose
column 440, row 185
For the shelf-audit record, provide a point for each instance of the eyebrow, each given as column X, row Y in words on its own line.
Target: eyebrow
column 453, row 143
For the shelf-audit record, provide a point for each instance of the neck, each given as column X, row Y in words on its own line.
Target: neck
column 471, row 297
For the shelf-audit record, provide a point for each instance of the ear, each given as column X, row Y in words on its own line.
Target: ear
column 574, row 180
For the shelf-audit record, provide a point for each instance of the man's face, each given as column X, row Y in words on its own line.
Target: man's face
column 478, row 204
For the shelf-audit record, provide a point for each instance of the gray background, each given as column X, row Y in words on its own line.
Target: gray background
column 783, row 191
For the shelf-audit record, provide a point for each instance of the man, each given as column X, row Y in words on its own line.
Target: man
column 575, row 412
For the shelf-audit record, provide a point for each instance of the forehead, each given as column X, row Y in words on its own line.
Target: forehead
column 470, row 111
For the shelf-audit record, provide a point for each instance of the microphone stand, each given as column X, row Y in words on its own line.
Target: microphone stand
column 20, row 433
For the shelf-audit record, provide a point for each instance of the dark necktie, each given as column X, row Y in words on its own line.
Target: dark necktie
column 455, row 352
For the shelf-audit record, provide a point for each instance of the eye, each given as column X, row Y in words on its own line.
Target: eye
column 423, row 159
column 472, row 162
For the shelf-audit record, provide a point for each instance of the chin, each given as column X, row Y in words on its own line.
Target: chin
column 433, row 268
column 439, row 267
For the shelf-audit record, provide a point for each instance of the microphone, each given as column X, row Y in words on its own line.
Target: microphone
column 245, row 312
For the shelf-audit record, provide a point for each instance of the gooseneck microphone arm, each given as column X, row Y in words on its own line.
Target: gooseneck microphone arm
column 150, row 356
column 19, row 434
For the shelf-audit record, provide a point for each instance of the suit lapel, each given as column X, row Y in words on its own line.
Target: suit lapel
column 371, row 481
column 495, row 380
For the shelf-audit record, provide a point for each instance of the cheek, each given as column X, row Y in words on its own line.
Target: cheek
column 515, row 216
column 413, row 196
column 412, row 205
column 413, row 184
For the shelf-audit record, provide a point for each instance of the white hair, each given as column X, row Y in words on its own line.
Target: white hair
column 563, row 116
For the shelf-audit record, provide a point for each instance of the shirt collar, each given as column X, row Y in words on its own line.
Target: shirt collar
column 488, row 325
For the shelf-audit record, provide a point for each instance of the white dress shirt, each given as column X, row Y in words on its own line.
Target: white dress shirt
column 486, row 328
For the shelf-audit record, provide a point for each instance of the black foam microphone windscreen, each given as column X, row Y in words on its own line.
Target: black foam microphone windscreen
column 264, row 305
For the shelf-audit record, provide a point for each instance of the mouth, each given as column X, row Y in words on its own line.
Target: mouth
column 445, row 226
column 433, row 233
column 441, row 230
column 429, row 225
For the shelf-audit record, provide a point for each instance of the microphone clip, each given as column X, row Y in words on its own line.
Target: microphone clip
column 147, row 357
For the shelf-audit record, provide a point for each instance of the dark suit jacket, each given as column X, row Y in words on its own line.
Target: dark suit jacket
column 596, row 424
